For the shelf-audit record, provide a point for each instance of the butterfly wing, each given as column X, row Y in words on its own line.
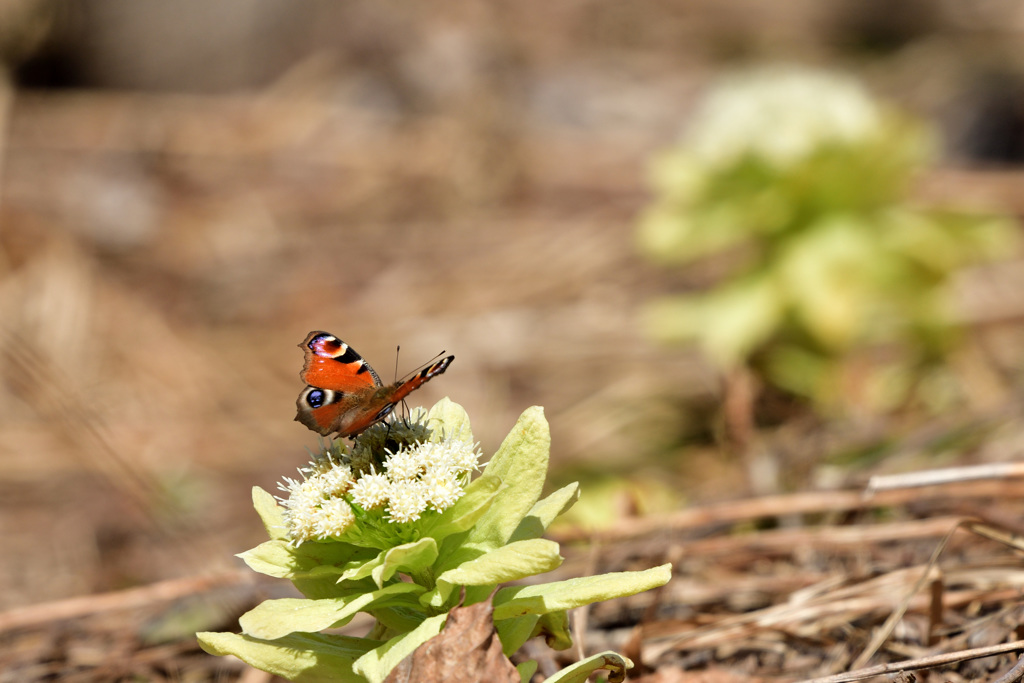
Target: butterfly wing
column 343, row 394
column 332, row 364
column 340, row 387
column 403, row 389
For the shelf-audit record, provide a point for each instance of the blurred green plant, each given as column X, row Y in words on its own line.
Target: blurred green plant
column 395, row 528
column 795, row 183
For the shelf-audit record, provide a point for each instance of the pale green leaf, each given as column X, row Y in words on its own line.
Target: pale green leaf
column 408, row 557
column 271, row 514
column 508, row 563
column 664, row 233
column 918, row 237
column 416, row 555
column 545, row 511
column 356, row 571
column 729, row 323
column 274, row 558
column 281, row 559
column 273, row 619
column 676, row 175
column 516, row 601
column 303, row 658
column 452, row 420
column 521, row 463
column 579, row 672
column 831, row 276
column 376, row 664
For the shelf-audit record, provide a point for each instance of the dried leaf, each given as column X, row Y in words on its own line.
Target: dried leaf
column 466, row 651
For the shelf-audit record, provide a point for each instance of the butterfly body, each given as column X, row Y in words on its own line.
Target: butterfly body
column 344, row 395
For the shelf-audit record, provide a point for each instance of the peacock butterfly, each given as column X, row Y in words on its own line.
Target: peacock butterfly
column 344, row 394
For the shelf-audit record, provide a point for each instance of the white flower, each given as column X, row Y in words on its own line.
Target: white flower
column 406, row 501
column 314, row 507
column 406, row 464
column 370, row 491
column 301, row 510
column 441, row 488
column 334, row 518
column 781, row 115
column 336, row 481
column 430, row 474
column 459, row 455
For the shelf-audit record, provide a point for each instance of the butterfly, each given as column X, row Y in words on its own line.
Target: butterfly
column 344, row 394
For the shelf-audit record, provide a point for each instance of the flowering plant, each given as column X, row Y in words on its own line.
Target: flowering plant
column 791, row 188
column 396, row 528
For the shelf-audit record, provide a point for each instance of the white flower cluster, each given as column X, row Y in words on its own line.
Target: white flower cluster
column 426, row 475
column 316, row 507
column 429, row 475
column 383, row 437
column 780, row 114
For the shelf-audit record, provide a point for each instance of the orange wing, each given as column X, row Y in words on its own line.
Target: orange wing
column 403, row 389
column 333, row 364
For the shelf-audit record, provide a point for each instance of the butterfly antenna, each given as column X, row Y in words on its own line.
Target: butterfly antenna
column 398, row 349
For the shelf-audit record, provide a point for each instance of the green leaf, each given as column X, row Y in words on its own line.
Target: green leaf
column 521, row 463
column 545, row 511
column 303, row 658
column 474, row 594
column 376, row 664
column 526, row 670
column 514, row 632
column 397, row 619
column 328, row 586
column 579, row 672
column 453, row 419
column 554, row 626
column 804, row 372
column 516, row 601
column 273, row 619
column 508, row 563
column 271, row 514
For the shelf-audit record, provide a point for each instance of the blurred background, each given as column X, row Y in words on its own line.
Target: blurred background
column 730, row 247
